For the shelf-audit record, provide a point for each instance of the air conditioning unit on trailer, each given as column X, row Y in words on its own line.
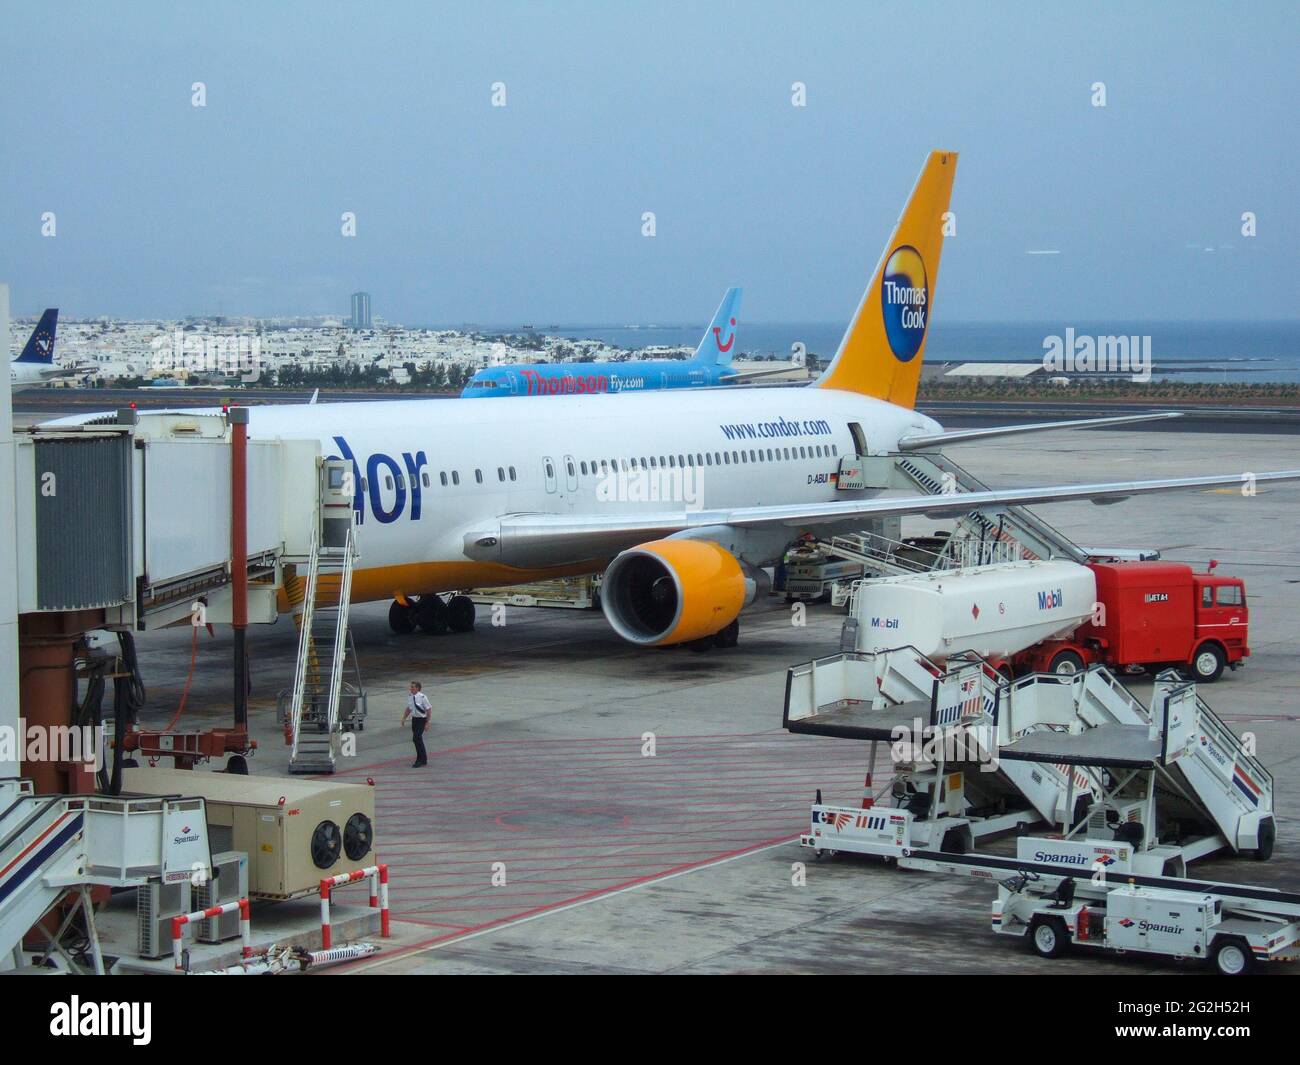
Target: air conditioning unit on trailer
column 294, row 831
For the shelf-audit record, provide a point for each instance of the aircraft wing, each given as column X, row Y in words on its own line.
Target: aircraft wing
column 554, row 539
column 959, row 436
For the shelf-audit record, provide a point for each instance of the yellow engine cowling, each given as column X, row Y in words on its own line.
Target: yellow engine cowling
column 673, row 591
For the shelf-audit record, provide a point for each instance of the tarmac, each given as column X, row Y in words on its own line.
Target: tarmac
column 592, row 807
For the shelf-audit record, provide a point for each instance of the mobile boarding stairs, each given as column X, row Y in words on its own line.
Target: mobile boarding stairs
column 976, row 754
column 57, row 847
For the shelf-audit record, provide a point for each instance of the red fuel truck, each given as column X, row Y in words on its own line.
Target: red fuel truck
column 1152, row 614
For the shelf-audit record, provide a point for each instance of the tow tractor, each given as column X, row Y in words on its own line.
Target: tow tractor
column 1232, row 926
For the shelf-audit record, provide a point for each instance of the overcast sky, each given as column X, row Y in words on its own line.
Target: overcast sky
column 532, row 212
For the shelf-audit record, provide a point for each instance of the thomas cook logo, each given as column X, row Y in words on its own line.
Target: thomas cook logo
column 905, row 302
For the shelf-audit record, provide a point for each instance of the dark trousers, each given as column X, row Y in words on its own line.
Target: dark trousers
column 417, row 737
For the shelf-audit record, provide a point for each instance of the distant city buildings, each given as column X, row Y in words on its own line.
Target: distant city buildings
column 361, row 310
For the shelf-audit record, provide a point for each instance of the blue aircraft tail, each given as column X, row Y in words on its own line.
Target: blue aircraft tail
column 719, row 339
column 40, row 345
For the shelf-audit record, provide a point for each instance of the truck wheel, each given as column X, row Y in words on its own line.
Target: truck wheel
column 1066, row 663
column 1231, row 956
column 1048, row 937
column 1264, row 840
column 1208, row 663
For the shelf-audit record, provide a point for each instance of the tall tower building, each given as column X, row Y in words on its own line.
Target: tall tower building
column 361, row 310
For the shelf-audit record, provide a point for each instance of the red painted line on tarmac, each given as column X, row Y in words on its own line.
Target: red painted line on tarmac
column 415, row 948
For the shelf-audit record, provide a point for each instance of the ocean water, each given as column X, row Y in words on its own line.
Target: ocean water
column 1183, row 351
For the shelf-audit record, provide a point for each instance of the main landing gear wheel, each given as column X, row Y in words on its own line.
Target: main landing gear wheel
column 730, row 636
column 460, row 613
column 704, row 643
column 1208, row 664
column 431, row 612
column 1066, row 664
column 401, row 619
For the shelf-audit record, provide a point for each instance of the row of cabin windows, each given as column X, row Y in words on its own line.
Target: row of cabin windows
column 504, row 473
column 709, row 458
column 700, row 460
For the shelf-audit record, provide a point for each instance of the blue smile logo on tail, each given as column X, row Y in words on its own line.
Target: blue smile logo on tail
column 905, row 302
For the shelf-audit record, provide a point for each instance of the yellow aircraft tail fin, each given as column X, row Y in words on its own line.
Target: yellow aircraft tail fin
column 882, row 349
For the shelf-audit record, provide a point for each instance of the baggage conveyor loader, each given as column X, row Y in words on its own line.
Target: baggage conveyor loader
column 1151, row 789
column 1231, row 926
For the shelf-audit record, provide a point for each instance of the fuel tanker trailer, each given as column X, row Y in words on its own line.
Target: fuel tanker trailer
column 993, row 610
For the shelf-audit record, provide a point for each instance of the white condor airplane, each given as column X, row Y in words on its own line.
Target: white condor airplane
column 514, row 491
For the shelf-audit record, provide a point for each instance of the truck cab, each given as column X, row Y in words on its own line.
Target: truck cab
column 1221, row 618
column 1150, row 615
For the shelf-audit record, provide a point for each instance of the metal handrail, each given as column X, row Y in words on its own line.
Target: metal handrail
column 35, row 816
column 304, row 644
column 340, row 636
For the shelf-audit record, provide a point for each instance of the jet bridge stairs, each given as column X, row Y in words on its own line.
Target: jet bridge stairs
column 978, row 537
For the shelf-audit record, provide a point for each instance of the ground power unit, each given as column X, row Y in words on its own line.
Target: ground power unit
column 294, row 831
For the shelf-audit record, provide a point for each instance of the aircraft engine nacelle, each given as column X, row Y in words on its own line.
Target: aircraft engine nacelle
column 673, row 591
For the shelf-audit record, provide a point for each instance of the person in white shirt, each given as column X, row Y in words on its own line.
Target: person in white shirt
column 418, row 710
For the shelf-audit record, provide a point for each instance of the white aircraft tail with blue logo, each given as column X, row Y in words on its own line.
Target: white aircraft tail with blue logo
column 719, row 340
column 39, row 349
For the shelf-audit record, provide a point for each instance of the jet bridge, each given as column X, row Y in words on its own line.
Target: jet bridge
column 131, row 515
